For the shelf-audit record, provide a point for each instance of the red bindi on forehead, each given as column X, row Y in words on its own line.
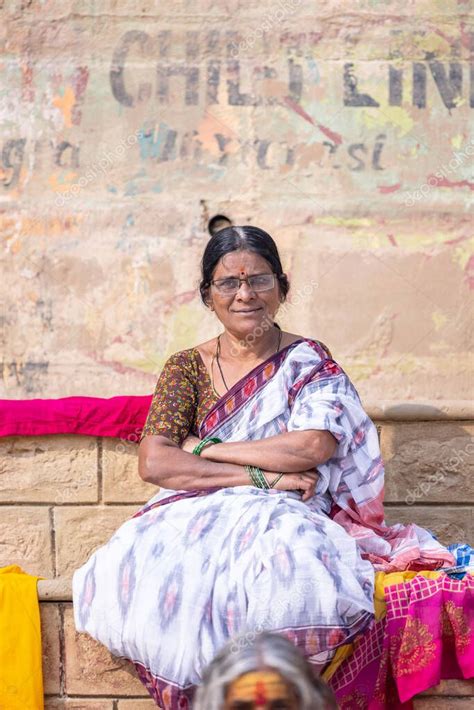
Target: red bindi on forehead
column 260, row 694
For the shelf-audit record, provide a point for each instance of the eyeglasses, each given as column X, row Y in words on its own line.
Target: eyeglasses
column 256, row 282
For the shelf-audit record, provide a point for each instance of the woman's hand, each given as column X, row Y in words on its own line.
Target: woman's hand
column 189, row 443
column 305, row 481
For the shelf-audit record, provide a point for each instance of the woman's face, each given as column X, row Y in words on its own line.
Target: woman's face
column 244, row 311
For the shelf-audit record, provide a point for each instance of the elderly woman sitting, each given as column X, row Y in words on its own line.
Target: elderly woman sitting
column 269, row 513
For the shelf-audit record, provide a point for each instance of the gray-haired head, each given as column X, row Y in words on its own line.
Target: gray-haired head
column 250, row 652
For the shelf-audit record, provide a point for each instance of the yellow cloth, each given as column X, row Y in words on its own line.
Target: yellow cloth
column 382, row 580
column 21, row 677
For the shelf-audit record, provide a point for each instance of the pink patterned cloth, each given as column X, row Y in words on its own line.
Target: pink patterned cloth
column 427, row 635
column 121, row 417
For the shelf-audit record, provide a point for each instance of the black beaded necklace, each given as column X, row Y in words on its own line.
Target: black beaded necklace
column 216, row 357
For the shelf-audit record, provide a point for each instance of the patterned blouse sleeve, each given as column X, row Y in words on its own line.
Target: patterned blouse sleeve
column 174, row 402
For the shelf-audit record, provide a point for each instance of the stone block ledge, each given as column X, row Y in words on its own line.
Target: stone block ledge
column 55, row 590
column 420, row 410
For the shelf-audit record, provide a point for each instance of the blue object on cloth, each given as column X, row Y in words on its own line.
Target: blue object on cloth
column 464, row 555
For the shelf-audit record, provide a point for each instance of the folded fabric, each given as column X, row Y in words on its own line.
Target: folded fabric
column 121, row 417
column 380, row 610
column 424, row 634
column 21, row 677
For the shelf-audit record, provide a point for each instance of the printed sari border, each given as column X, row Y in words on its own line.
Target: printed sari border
column 217, row 414
column 194, row 493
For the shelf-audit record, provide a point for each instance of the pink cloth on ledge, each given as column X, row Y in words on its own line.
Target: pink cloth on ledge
column 427, row 635
column 121, row 417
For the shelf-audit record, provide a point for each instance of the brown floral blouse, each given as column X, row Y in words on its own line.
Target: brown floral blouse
column 183, row 396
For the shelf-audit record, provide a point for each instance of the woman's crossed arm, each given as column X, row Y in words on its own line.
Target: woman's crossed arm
column 289, row 451
column 296, row 454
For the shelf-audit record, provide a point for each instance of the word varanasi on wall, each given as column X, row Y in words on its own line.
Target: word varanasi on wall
column 343, row 132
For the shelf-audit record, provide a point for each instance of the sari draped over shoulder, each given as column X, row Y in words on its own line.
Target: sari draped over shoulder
column 315, row 393
column 193, row 568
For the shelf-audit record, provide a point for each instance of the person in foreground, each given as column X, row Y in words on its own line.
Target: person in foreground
column 269, row 512
column 262, row 672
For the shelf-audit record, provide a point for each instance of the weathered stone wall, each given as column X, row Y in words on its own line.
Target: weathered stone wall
column 62, row 497
column 341, row 128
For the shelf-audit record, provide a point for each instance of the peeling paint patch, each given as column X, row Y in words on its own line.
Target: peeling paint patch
column 462, row 255
column 469, row 272
column 334, row 137
column 387, row 189
column 79, row 81
column 394, row 116
column 439, row 319
column 62, row 183
column 444, row 182
column 65, row 104
column 457, row 141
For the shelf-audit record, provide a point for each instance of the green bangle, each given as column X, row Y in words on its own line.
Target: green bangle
column 275, row 480
column 212, row 440
column 263, row 479
column 254, row 480
column 257, row 477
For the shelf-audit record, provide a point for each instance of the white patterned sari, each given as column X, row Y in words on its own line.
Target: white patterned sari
column 193, row 568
